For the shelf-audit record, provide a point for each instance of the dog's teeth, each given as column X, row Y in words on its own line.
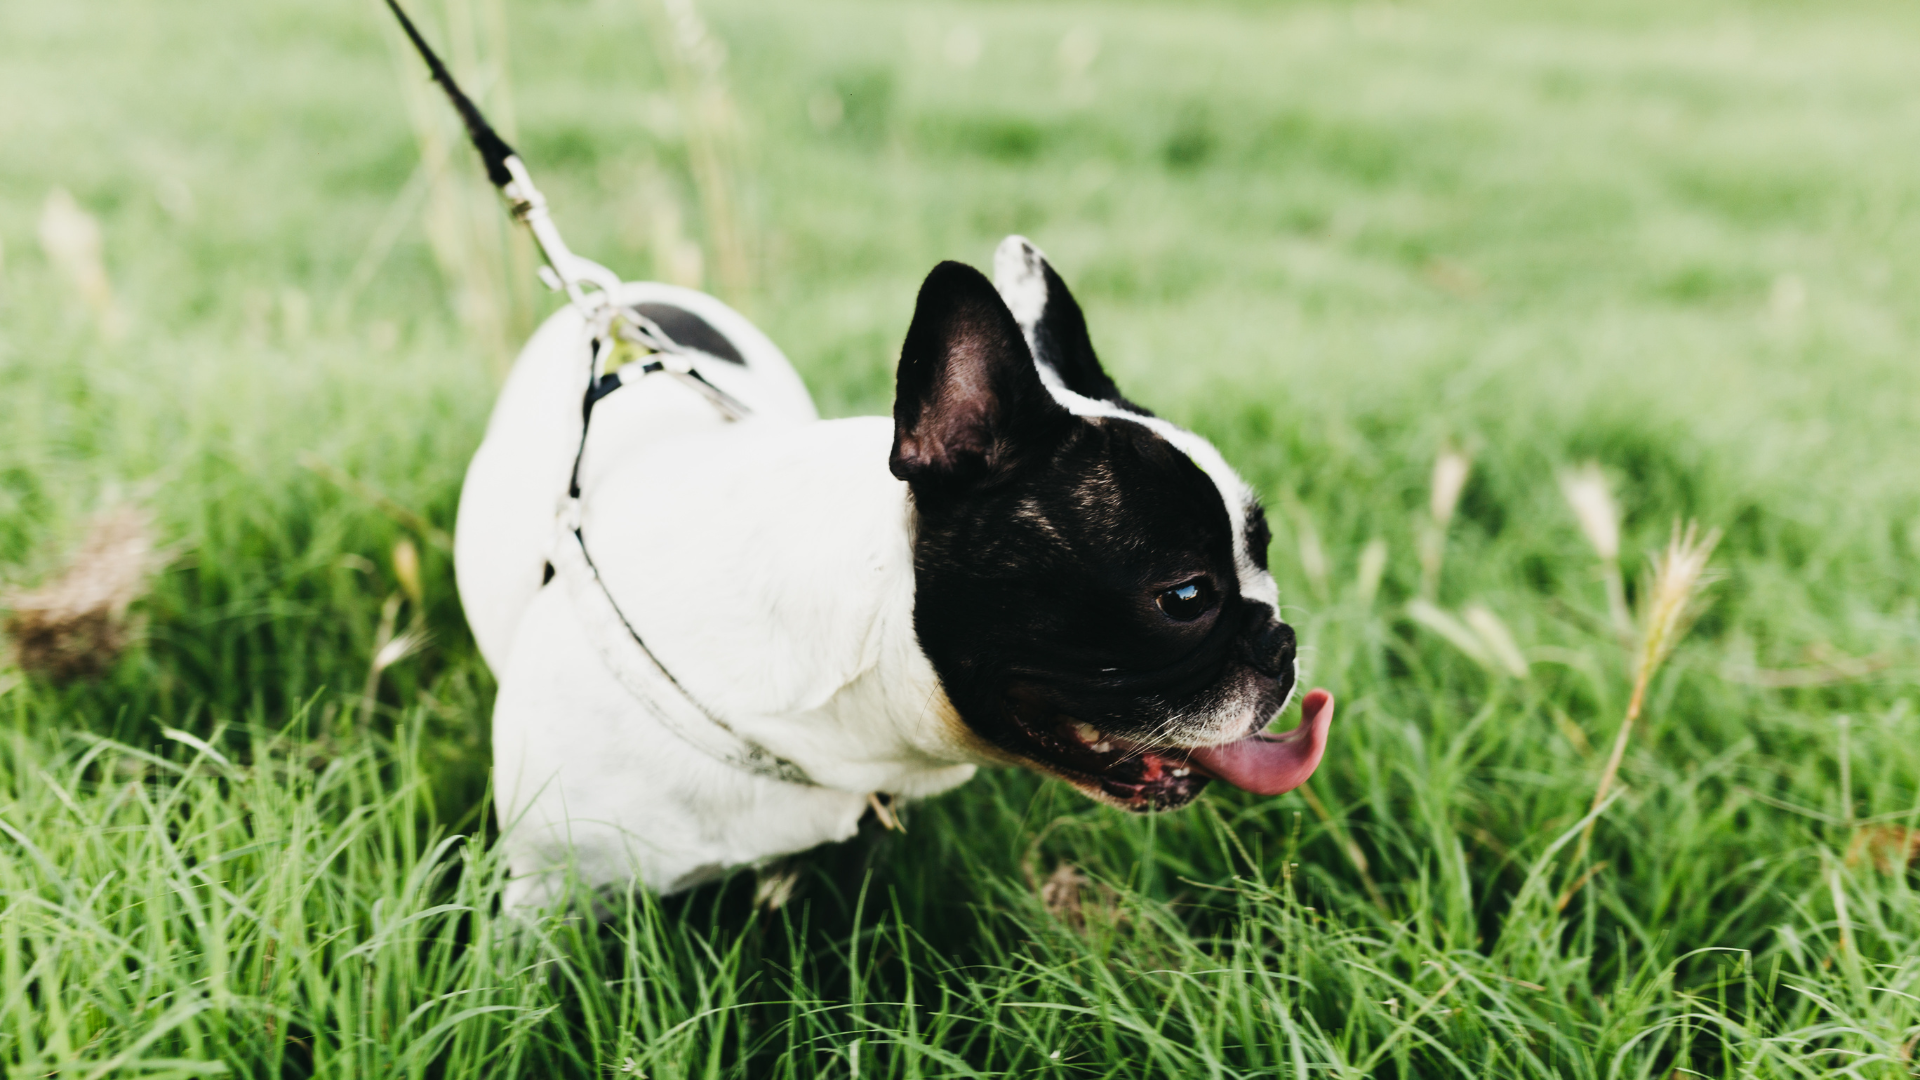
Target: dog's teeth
column 1102, row 747
column 1182, row 771
column 1087, row 732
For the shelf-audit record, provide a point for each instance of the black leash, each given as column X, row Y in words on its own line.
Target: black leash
column 594, row 291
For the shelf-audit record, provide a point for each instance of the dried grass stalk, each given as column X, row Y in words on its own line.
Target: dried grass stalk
column 1313, row 554
column 1456, row 633
column 1373, row 566
column 1498, row 639
column 76, row 625
column 1450, row 472
column 1061, row 895
column 1592, row 503
column 73, row 243
column 774, row 887
column 389, row 648
column 695, row 61
column 1588, row 494
column 1670, row 599
column 406, row 568
column 472, row 241
column 1482, row 637
column 1890, row 848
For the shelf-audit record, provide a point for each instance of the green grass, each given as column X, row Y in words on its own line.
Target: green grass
column 1683, row 240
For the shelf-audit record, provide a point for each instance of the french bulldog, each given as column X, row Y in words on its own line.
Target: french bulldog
column 1019, row 567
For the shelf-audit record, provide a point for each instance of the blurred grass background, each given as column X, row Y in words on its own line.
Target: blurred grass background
column 1338, row 239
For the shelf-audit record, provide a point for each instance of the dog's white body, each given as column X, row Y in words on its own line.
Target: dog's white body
column 765, row 562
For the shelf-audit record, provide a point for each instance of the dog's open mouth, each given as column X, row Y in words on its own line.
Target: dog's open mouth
column 1149, row 777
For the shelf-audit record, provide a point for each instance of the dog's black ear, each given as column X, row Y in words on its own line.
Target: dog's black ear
column 1051, row 320
column 969, row 400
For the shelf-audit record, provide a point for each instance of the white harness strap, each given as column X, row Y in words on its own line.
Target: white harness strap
column 592, row 289
column 634, row 666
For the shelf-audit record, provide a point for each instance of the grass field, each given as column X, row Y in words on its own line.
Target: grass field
column 1682, row 240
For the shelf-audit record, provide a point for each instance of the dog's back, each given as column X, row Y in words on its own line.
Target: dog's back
column 506, row 526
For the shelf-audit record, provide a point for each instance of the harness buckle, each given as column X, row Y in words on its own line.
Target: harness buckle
column 567, row 514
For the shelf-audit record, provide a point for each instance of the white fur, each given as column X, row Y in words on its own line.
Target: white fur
column 519, row 474
column 766, row 563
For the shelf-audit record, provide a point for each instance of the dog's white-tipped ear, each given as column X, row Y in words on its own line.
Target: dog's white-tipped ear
column 969, row 400
column 1019, row 277
column 1051, row 321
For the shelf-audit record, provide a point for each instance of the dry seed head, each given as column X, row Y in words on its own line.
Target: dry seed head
column 1078, row 50
column 399, row 649
column 1891, row 848
column 1458, row 634
column 1586, row 491
column 75, row 625
column 1669, row 600
column 704, row 52
column 1450, row 471
column 1373, row 564
column 71, row 238
column 1061, row 894
column 775, row 887
column 406, row 567
column 1313, row 555
column 1670, row 596
column 695, row 60
column 1499, row 641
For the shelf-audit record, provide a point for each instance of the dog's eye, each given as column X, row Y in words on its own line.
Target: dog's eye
column 1188, row 600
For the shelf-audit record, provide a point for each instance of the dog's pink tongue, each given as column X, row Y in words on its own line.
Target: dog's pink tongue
column 1271, row 764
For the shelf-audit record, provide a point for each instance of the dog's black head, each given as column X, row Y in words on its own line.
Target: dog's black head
column 1091, row 581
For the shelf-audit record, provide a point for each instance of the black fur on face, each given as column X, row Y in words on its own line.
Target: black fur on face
column 1077, row 587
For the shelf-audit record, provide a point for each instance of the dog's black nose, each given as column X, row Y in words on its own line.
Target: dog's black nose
column 1270, row 649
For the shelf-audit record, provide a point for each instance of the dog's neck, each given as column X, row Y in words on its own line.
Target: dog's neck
column 770, row 567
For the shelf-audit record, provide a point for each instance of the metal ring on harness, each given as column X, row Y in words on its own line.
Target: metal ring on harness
column 593, row 290
column 625, row 652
